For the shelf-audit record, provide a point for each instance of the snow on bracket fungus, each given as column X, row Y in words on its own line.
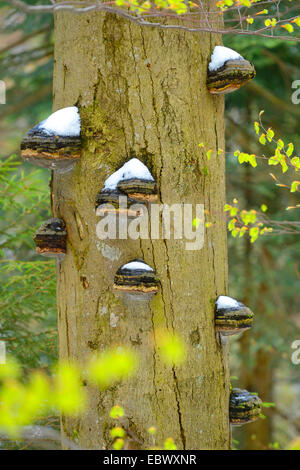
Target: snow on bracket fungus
column 231, row 316
column 228, row 71
column 54, row 143
column 244, row 407
column 131, row 184
column 51, row 239
column 136, row 278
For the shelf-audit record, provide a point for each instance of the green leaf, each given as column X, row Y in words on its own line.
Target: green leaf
column 296, row 162
column 270, row 134
column 262, row 139
column 253, row 232
column 118, row 444
column 280, row 144
column 289, row 27
column 152, row 430
column 208, row 154
column 231, row 224
column 234, row 211
column 290, row 149
column 273, row 160
column 252, row 160
column 116, row 412
column 171, row 347
column 117, row 432
column 169, row 444
column 111, row 366
column 264, row 208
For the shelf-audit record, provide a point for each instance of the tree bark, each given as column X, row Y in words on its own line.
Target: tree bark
column 142, row 92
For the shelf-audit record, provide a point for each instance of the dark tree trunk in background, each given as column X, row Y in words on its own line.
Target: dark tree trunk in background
column 259, row 378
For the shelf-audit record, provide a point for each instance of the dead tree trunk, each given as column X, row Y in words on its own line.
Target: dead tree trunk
column 142, row 92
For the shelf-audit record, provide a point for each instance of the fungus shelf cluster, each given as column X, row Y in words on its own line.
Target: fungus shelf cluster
column 51, row 238
column 244, row 407
column 231, row 316
column 136, row 277
column 131, row 184
column 55, row 143
column 228, row 71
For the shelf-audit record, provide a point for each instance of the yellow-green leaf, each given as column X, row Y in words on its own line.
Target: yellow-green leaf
column 171, row 348
column 116, row 412
column 294, row 186
column 262, row 139
column 264, row 208
column 117, row 432
column 289, row 27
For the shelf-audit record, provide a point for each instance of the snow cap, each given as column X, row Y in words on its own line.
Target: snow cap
column 65, row 123
column 221, row 55
column 134, row 168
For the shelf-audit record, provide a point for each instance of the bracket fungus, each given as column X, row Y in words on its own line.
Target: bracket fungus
column 244, row 407
column 231, row 316
column 228, row 71
column 51, row 238
column 54, row 143
column 131, row 184
column 136, row 277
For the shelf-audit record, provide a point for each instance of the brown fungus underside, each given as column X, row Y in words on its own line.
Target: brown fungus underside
column 230, row 77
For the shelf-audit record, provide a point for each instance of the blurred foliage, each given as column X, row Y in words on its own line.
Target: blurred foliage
column 111, row 365
column 25, row 400
column 27, row 320
column 171, row 347
column 265, row 275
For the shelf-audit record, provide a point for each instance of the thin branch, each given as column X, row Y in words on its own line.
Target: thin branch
column 87, row 7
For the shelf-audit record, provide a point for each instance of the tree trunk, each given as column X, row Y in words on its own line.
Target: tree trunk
column 259, row 378
column 142, row 92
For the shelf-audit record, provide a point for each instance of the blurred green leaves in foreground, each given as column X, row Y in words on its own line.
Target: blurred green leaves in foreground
column 23, row 401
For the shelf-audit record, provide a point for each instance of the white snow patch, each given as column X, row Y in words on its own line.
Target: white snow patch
column 134, row 168
column 220, row 55
column 137, row 265
column 64, row 122
column 226, row 302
